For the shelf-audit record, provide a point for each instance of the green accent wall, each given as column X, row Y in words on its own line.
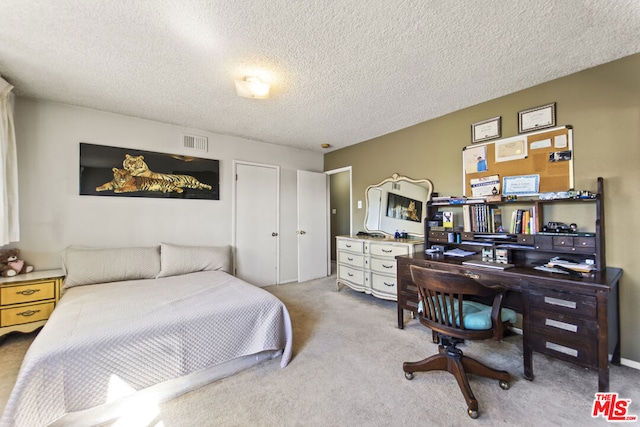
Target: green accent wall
column 603, row 106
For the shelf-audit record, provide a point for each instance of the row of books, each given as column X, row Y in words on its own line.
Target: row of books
column 450, row 200
column 488, row 219
column 482, row 219
column 523, row 221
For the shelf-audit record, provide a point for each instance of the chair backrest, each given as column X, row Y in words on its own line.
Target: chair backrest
column 442, row 295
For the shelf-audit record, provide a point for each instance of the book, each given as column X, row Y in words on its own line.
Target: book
column 447, row 219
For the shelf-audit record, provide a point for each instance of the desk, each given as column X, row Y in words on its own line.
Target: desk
column 572, row 319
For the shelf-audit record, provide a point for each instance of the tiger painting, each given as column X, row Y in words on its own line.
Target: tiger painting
column 138, row 168
column 124, row 182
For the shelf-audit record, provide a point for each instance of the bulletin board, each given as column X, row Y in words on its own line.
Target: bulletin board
column 547, row 154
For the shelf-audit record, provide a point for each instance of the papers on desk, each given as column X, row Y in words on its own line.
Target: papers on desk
column 457, row 252
column 582, row 267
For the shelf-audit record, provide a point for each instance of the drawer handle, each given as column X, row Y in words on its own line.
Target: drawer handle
column 387, row 251
column 349, row 259
column 473, row 276
column 389, row 284
column 350, row 274
column 28, row 313
column 388, row 266
column 28, row 292
column 562, row 349
column 560, row 302
column 561, row 325
column 348, row 246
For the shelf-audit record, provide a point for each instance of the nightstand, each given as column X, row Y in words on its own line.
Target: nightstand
column 27, row 300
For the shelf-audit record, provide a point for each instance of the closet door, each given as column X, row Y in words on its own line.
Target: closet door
column 256, row 223
column 313, row 225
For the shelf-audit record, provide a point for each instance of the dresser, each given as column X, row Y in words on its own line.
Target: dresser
column 367, row 264
column 27, row 300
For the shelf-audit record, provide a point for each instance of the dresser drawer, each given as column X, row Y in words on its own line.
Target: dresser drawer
column 385, row 284
column 25, row 314
column 351, row 275
column 564, row 303
column 27, row 293
column 386, row 266
column 351, row 259
column 351, row 245
column 388, row 251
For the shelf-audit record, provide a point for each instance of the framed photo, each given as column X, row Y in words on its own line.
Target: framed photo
column 536, row 118
column 486, row 129
column 124, row 172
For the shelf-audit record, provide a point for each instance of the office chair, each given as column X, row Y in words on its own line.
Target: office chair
column 445, row 312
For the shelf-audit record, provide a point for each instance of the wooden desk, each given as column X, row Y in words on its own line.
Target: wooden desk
column 572, row 319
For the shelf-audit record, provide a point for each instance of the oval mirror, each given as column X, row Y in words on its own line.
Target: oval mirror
column 397, row 203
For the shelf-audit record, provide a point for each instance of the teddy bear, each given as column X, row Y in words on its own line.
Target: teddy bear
column 10, row 264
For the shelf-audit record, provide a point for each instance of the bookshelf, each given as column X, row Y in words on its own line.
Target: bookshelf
column 519, row 227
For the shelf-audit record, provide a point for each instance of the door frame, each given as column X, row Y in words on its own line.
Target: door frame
column 332, row 172
column 233, row 211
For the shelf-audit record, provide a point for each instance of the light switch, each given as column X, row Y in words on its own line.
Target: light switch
column 359, row 204
column 333, row 211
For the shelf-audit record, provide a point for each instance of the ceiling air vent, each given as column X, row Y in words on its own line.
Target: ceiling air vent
column 194, row 142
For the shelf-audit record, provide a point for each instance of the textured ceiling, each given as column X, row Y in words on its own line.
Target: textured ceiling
column 342, row 71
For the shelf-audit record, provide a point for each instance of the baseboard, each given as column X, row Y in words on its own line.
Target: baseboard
column 630, row 363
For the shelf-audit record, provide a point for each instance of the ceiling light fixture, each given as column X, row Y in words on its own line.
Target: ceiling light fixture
column 252, row 87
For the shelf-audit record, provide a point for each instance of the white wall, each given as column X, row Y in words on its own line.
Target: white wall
column 53, row 215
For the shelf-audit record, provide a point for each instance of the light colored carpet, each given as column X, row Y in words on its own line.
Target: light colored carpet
column 347, row 371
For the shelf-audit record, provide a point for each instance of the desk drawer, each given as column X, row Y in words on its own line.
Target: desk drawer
column 582, row 352
column 25, row 314
column 351, row 259
column 351, row 245
column 27, row 293
column 564, row 328
column 564, row 303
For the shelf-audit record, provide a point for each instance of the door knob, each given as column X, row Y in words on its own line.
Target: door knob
column 302, row 232
column 274, row 234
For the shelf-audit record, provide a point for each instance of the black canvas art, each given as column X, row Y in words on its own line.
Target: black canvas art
column 113, row 171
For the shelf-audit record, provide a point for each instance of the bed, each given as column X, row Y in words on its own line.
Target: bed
column 136, row 324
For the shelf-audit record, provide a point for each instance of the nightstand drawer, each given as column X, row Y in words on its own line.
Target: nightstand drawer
column 25, row 314
column 37, row 291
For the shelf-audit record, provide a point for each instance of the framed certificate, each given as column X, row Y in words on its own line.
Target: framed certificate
column 536, row 118
column 523, row 185
column 486, row 129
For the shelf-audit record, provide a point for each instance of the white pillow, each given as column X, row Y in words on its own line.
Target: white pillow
column 176, row 259
column 86, row 266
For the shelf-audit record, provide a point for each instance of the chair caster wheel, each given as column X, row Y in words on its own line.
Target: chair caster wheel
column 504, row 385
column 473, row 414
column 408, row 375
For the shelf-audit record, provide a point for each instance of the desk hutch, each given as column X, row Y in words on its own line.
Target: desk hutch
column 569, row 318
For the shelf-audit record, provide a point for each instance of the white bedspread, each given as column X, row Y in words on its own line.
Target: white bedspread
column 141, row 332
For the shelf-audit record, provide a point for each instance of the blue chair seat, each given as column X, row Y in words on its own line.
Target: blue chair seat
column 477, row 316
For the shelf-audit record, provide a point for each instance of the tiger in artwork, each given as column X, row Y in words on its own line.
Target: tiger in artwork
column 124, row 182
column 138, row 168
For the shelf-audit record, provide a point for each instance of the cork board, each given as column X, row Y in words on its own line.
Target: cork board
column 547, row 153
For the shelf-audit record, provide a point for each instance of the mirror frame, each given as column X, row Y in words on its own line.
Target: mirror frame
column 393, row 179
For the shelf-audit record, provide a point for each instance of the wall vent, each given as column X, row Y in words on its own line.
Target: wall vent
column 194, row 142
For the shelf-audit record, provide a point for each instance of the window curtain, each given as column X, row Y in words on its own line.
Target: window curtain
column 9, row 227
